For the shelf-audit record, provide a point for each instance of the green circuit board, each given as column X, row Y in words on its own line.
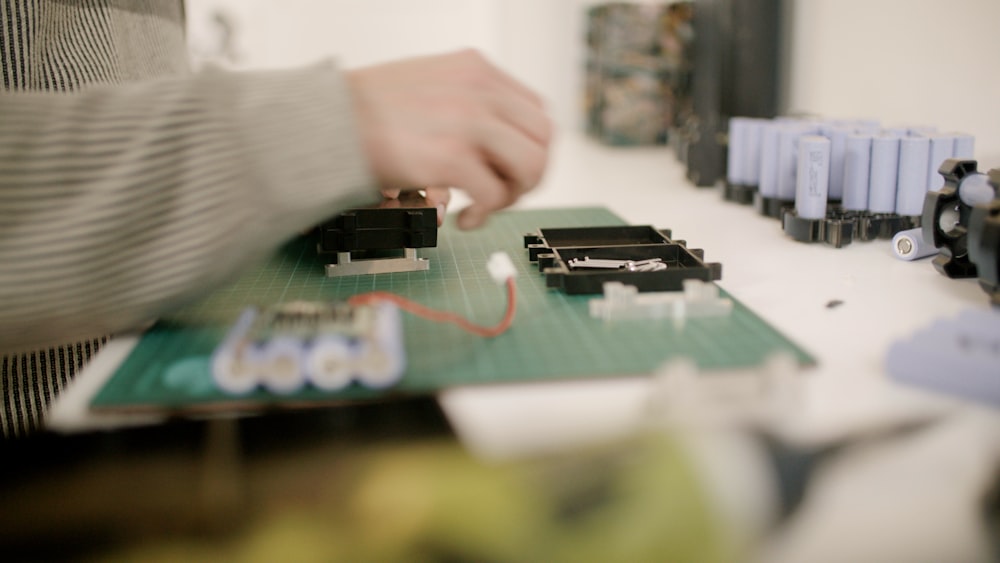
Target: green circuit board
column 553, row 336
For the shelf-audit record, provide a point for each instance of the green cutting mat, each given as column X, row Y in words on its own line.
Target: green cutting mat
column 553, row 336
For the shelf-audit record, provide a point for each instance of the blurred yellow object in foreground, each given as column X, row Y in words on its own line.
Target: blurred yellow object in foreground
column 432, row 501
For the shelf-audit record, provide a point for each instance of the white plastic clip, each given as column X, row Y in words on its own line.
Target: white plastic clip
column 699, row 299
column 501, row 267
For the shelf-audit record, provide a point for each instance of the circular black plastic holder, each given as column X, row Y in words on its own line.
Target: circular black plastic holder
column 946, row 206
column 739, row 193
column 771, row 206
column 886, row 225
column 835, row 230
column 984, row 242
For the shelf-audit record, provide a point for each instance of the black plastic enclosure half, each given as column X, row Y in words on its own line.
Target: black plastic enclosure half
column 380, row 229
column 556, row 250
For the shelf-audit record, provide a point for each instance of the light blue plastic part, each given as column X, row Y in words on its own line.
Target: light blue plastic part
column 958, row 356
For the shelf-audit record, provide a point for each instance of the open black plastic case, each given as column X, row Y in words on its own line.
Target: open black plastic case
column 554, row 249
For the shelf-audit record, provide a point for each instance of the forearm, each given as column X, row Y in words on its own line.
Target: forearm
column 118, row 204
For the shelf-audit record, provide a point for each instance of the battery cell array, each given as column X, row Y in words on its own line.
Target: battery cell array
column 841, row 181
column 837, row 181
column 328, row 345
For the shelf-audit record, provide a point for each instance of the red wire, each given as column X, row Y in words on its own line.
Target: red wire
column 444, row 316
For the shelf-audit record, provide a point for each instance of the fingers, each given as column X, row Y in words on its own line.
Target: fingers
column 487, row 191
column 517, row 161
column 389, row 203
column 514, row 102
column 452, row 120
column 528, row 118
column 436, row 197
column 512, row 144
column 439, row 198
column 508, row 82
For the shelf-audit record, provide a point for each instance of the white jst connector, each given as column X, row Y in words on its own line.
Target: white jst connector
column 501, row 267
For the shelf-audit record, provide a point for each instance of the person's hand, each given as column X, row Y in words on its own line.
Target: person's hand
column 452, row 120
column 430, row 197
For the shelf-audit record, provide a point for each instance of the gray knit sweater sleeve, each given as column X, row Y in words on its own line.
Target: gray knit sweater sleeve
column 119, row 201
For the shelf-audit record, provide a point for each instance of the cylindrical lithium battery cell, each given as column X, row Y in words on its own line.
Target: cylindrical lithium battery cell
column 867, row 126
column 857, row 163
column 233, row 371
column 884, row 171
column 788, row 156
column 812, row 178
column 232, row 368
column 911, row 185
column 838, row 148
column 965, row 147
column 942, row 147
column 751, row 151
column 975, row 189
column 895, row 132
column 910, row 245
column 867, row 129
column 382, row 359
column 281, row 362
column 921, row 130
column 768, row 186
column 330, row 363
column 737, row 145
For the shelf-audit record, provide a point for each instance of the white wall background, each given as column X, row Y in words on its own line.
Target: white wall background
column 536, row 40
column 902, row 61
